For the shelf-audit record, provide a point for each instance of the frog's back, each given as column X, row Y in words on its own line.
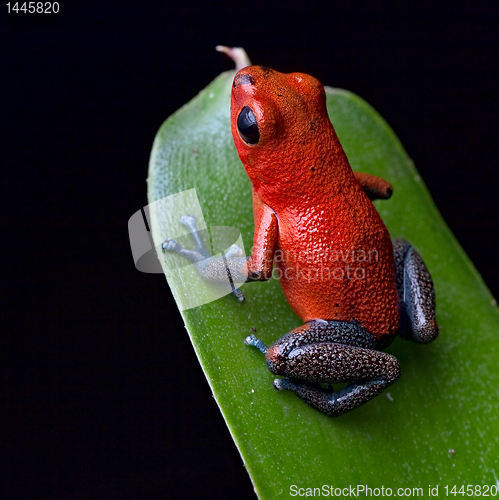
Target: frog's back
column 335, row 260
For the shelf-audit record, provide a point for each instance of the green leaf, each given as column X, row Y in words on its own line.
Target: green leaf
column 438, row 425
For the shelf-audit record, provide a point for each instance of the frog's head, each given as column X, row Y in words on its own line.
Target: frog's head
column 280, row 126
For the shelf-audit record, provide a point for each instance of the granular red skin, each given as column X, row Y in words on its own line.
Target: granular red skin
column 331, row 249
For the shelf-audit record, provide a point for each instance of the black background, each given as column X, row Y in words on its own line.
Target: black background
column 102, row 393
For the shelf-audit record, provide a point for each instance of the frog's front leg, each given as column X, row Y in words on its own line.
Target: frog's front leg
column 375, row 187
column 232, row 267
column 416, row 293
column 330, row 352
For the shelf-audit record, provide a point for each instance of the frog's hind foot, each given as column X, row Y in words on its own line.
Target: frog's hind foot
column 329, row 402
column 252, row 340
column 307, row 366
column 320, row 353
column 416, row 293
column 284, row 384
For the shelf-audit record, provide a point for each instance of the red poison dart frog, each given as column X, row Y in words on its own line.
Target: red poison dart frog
column 354, row 288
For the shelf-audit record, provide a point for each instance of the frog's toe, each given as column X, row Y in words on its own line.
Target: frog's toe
column 239, row 295
column 234, row 251
column 284, row 384
column 170, row 245
column 252, row 340
column 189, row 221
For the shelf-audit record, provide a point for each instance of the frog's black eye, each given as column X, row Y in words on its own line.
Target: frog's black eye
column 247, row 126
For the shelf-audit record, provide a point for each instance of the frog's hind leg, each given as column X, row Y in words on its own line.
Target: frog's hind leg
column 416, row 293
column 330, row 352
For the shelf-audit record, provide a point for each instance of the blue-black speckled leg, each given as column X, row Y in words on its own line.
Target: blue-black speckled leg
column 330, row 352
column 417, row 295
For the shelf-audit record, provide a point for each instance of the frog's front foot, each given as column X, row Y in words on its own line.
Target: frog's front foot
column 206, row 265
column 196, row 255
column 170, row 245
